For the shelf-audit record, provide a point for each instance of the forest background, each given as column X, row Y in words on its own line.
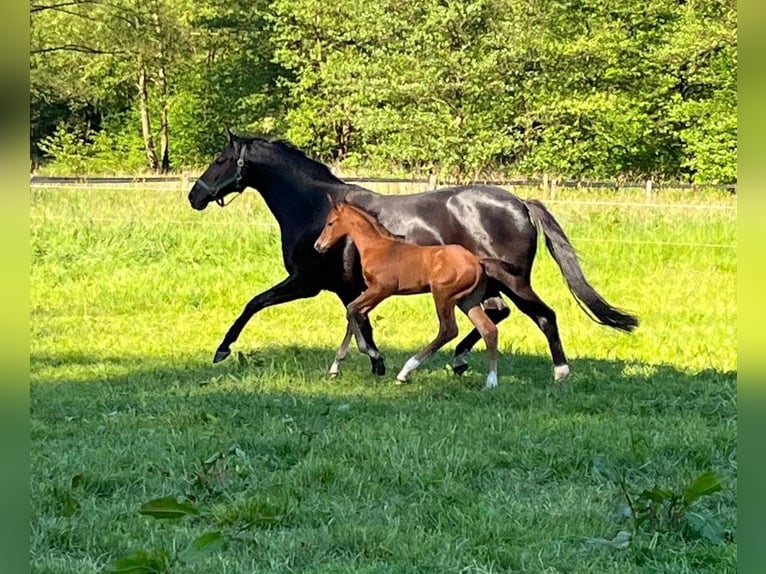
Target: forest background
column 583, row 89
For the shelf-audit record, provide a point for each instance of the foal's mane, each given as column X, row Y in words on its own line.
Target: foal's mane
column 369, row 217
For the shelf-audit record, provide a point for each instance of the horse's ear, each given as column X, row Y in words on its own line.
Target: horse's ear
column 229, row 135
column 331, row 201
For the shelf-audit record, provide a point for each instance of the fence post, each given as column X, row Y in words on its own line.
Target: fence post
column 545, row 182
column 432, row 181
column 553, row 188
column 648, row 189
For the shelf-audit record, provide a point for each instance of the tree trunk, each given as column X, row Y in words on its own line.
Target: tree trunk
column 162, row 85
column 164, row 132
column 146, row 125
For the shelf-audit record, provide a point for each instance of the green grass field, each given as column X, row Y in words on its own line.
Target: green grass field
column 131, row 292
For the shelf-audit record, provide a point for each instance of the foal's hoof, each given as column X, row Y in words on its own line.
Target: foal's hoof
column 378, row 366
column 221, row 354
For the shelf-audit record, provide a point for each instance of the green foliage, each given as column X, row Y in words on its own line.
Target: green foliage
column 118, row 150
column 711, row 140
column 233, row 86
column 69, row 152
column 167, row 507
column 466, row 89
column 140, row 562
column 660, row 509
column 162, row 561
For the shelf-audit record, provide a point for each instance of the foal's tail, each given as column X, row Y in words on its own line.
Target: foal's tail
column 564, row 254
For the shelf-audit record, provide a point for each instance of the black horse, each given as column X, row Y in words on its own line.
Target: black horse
column 489, row 221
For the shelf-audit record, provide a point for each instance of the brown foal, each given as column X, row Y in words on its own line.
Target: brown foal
column 453, row 275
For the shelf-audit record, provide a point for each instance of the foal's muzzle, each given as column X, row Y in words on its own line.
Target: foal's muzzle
column 319, row 247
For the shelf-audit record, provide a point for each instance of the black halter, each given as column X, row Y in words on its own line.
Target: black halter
column 235, row 179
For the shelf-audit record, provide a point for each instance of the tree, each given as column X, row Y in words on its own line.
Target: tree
column 466, row 88
column 90, row 50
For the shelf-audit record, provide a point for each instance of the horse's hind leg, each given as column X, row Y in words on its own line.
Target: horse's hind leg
column 445, row 309
column 497, row 310
column 520, row 292
column 488, row 330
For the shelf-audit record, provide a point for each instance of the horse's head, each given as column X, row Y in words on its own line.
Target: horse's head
column 334, row 228
column 223, row 176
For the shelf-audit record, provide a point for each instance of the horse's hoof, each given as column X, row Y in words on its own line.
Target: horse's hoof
column 560, row 372
column 460, row 369
column 378, row 367
column 221, row 354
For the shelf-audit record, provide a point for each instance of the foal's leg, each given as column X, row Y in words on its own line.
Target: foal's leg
column 497, row 310
column 445, row 309
column 357, row 312
column 342, row 351
column 365, row 328
column 488, row 330
column 292, row 288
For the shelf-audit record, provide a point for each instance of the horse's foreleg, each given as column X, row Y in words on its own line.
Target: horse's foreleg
column 292, row 288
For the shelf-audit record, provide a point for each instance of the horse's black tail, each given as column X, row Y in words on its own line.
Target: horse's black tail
column 565, row 256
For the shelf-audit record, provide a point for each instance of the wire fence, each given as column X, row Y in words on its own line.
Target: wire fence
column 174, row 181
column 182, row 183
column 272, row 227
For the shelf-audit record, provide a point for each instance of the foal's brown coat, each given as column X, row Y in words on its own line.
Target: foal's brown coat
column 453, row 275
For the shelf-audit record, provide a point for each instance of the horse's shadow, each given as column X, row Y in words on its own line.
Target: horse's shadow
column 630, row 386
column 272, row 402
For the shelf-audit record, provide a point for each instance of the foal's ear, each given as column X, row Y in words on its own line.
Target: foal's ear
column 331, row 201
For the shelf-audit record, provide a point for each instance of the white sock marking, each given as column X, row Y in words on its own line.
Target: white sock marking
column 411, row 364
column 491, row 379
column 560, row 372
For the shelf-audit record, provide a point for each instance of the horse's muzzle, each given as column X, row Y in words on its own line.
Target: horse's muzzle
column 319, row 247
column 197, row 200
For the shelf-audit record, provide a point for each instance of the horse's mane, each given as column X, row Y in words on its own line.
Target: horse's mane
column 369, row 217
column 311, row 166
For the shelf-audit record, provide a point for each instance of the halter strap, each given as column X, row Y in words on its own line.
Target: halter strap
column 236, row 179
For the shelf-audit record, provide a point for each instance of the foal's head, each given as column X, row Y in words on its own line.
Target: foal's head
column 335, row 227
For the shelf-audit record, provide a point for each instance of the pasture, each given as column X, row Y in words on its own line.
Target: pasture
column 131, row 292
